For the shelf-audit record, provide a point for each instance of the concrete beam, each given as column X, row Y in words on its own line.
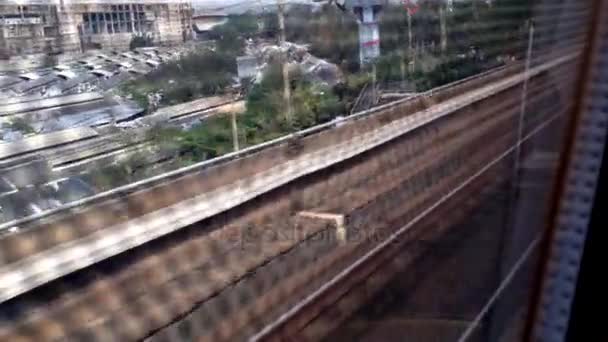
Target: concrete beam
column 335, row 220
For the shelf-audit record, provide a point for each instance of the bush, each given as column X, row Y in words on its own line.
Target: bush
column 231, row 35
column 350, row 90
column 201, row 73
column 452, row 70
column 179, row 94
column 160, row 134
column 108, row 177
column 263, row 120
column 20, row 125
column 138, row 92
column 329, row 107
column 208, row 140
column 389, row 68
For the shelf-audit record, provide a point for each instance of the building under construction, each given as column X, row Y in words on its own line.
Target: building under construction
column 56, row 26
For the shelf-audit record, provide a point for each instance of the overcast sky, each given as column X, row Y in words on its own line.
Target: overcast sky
column 238, row 5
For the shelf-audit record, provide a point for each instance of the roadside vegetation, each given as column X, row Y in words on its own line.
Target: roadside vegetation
column 263, row 119
column 198, row 74
column 203, row 72
column 479, row 37
column 20, row 125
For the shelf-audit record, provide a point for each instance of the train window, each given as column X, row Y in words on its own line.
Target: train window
column 340, row 170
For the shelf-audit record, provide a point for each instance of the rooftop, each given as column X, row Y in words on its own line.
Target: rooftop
column 76, row 2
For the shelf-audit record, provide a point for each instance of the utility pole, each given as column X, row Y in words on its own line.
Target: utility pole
column 374, row 87
column 410, row 38
column 284, row 61
column 444, row 29
column 524, row 97
column 410, row 9
column 402, row 65
column 409, row 49
column 235, row 133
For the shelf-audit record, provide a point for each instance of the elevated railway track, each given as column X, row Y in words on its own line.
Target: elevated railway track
column 75, row 150
column 181, row 239
column 373, row 211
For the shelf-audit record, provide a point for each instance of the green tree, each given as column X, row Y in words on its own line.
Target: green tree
column 245, row 24
column 508, row 20
column 200, row 73
column 298, row 22
column 270, row 25
column 393, row 29
column 232, row 34
column 312, row 104
column 495, row 30
column 389, row 67
column 334, row 36
column 230, row 40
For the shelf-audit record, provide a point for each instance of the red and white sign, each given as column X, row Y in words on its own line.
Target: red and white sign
column 411, row 6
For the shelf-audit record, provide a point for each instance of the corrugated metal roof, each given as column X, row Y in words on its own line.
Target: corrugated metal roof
column 35, row 83
column 152, row 62
column 29, row 200
column 102, row 72
column 91, row 2
column 42, row 141
column 30, row 76
column 51, row 102
column 67, row 74
column 61, row 67
column 9, row 80
column 73, row 82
